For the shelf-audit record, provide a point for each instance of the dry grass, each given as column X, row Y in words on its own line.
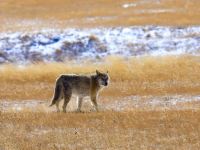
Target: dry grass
column 106, row 130
column 136, row 129
column 136, row 76
column 140, row 128
column 90, row 13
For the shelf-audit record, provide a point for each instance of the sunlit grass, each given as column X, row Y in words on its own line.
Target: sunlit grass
column 141, row 69
column 135, row 129
column 135, row 76
column 104, row 130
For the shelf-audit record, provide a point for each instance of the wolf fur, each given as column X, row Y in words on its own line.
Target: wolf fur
column 80, row 85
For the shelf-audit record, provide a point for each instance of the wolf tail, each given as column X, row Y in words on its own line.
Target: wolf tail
column 57, row 92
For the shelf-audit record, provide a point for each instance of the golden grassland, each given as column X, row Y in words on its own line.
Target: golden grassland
column 104, row 130
column 135, row 128
column 134, row 76
column 90, row 13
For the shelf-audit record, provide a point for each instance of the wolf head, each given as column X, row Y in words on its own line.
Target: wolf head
column 102, row 78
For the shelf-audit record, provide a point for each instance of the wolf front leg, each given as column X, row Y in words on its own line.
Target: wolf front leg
column 79, row 102
column 94, row 102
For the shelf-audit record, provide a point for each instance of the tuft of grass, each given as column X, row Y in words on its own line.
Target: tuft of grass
column 134, row 76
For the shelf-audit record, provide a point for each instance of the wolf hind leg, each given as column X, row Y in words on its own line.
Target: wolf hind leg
column 58, row 102
column 67, row 97
column 57, row 106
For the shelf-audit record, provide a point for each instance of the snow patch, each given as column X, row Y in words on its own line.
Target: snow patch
column 129, row 5
column 57, row 45
column 141, row 2
column 116, row 104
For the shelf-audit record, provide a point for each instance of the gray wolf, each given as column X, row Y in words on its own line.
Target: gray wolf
column 81, row 86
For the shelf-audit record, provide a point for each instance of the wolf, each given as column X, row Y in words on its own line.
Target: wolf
column 81, row 86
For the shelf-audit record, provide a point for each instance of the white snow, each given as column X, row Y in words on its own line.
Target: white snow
column 116, row 104
column 156, row 11
column 129, row 5
column 140, row 2
column 152, row 102
column 126, row 41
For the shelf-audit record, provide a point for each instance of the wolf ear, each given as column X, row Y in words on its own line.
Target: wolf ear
column 97, row 72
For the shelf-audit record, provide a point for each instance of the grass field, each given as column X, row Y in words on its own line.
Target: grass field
column 138, row 127
column 152, row 103
column 136, row 76
column 105, row 130
column 30, row 14
column 176, row 127
column 167, row 125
